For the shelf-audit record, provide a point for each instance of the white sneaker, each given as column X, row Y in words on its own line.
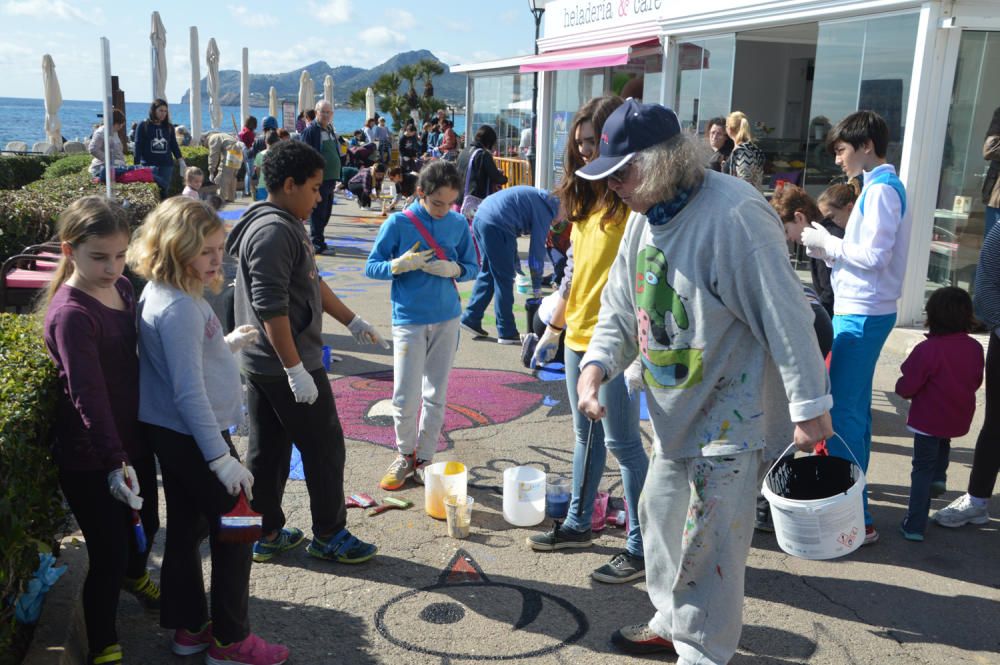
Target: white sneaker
column 960, row 512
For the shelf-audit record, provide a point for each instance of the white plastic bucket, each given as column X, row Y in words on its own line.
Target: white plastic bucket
column 523, row 495
column 440, row 480
column 823, row 528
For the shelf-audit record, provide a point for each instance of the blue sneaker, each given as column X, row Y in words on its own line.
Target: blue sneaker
column 912, row 536
column 288, row 538
column 342, row 548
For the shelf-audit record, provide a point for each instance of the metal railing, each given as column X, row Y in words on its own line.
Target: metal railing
column 518, row 171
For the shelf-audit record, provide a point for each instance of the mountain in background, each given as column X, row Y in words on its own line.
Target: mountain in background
column 449, row 87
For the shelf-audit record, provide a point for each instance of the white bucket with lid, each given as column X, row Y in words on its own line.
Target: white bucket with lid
column 810, row 526
column 523, row 495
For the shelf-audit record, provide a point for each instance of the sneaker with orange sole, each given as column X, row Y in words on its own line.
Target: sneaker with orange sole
column 640, row 639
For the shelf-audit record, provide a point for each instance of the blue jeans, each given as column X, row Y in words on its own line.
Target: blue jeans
column 930, row 464
column 992, row 217
column 162, row 175
column 857, row 342
column 496, row 278
column 321, row 214
column 618, row 432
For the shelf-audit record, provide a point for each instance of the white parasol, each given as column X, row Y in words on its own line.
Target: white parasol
column 272, row 103
column 369, row 103
column 158, row 55
column 214, row 107
column 307, row 92
column 53, row 100
column 245, row 86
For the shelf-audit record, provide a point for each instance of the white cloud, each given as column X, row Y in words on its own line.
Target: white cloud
column 59, row 9
column 404, row 19
column 380, row 37
column 12, row 53
column 249, row 19
column 483, row 56
column 331, row 12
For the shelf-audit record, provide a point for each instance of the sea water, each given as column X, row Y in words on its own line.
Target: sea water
column 24, row 119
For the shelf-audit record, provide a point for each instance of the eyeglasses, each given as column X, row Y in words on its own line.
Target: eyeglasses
column 621, row 174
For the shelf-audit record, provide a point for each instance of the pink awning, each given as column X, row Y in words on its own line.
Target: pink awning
column 587, row 57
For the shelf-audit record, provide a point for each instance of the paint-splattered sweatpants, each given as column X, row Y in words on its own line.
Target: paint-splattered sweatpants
column 696, row 516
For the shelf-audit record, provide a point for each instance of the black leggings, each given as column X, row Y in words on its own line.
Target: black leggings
column 364, row 197
column 986, row 461
column 195, row 500
column 106, row 523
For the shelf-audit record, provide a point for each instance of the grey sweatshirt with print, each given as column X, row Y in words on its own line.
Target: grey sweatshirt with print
column 710, row 302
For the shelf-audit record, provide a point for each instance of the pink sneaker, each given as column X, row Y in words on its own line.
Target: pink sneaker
column 251, row 651
column 186, row 643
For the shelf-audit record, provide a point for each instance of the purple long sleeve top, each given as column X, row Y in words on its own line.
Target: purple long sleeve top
column 94, row 349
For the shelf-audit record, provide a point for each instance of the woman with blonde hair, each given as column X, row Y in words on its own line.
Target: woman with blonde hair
column 747, row 160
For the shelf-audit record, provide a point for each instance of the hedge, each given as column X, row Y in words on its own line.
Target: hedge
column 16, row 171
column 69, row 164
column 28, row 216
column 31, row 509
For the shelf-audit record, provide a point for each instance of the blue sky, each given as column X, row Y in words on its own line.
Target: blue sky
column 341, row 32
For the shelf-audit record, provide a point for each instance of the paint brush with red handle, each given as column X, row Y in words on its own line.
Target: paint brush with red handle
column 241, row 524
column 140, row 533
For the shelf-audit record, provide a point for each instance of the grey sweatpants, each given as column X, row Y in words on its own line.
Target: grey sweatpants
column 422, row 359
column 697, row 516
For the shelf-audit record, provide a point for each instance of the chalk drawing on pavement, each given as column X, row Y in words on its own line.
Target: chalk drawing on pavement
column 508, row 621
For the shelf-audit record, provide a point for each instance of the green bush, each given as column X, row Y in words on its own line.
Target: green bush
column 16, row 171
column 193, row 156
column 69, row 164
column 28, row 216
column 31, row 510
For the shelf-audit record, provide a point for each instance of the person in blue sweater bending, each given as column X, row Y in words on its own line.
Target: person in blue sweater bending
column 868, row 265
column 424, row 250
column 156, row 145
column 500, row 219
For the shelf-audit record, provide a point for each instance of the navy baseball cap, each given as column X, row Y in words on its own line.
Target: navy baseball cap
column 631, row 128
column 270, row 122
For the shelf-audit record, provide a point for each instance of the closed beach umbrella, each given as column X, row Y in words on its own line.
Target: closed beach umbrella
column 53, row 100
column 158, row 40
column 245, row 86
column 369, row 103
column 272, row 102
column 307, row 97
column 214, row 108
column 328, row 89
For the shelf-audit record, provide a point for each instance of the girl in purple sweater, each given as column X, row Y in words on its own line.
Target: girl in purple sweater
column 941, row 376
column 104, row 465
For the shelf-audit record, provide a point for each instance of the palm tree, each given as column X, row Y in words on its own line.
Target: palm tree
column 409, row 73
column 356, row 100
column 428, row 68
column 386, row 88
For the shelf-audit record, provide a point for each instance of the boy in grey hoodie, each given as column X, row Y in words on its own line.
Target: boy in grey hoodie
column 279, row 291
column 703, row 292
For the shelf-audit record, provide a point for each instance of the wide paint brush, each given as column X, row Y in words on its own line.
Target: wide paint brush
column 241, row 524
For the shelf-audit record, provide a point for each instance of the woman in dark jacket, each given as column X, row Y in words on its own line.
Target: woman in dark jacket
column 485, row 176
column 156, row 145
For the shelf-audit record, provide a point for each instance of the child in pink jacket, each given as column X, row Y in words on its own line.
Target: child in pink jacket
column 941, row 376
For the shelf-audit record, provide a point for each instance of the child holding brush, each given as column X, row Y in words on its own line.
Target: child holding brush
column 90, row 335
column 190, row 396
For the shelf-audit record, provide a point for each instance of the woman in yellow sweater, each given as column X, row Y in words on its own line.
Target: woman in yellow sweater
column 598, row 217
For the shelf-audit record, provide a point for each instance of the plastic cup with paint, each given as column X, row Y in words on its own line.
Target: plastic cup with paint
column 458, row 512
column 557, row 494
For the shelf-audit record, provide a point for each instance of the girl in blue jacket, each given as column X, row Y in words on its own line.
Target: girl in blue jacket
column 424, row 250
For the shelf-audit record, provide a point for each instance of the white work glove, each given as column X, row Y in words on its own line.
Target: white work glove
column 634, row 383
column 411, row 260
column 241, row 337
column 121, row 490
column 447, row 269
column 182, row 167
column 546, row 348
column 302, row 384
column 818, row 241
column 233, row 475
column 365, row 333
